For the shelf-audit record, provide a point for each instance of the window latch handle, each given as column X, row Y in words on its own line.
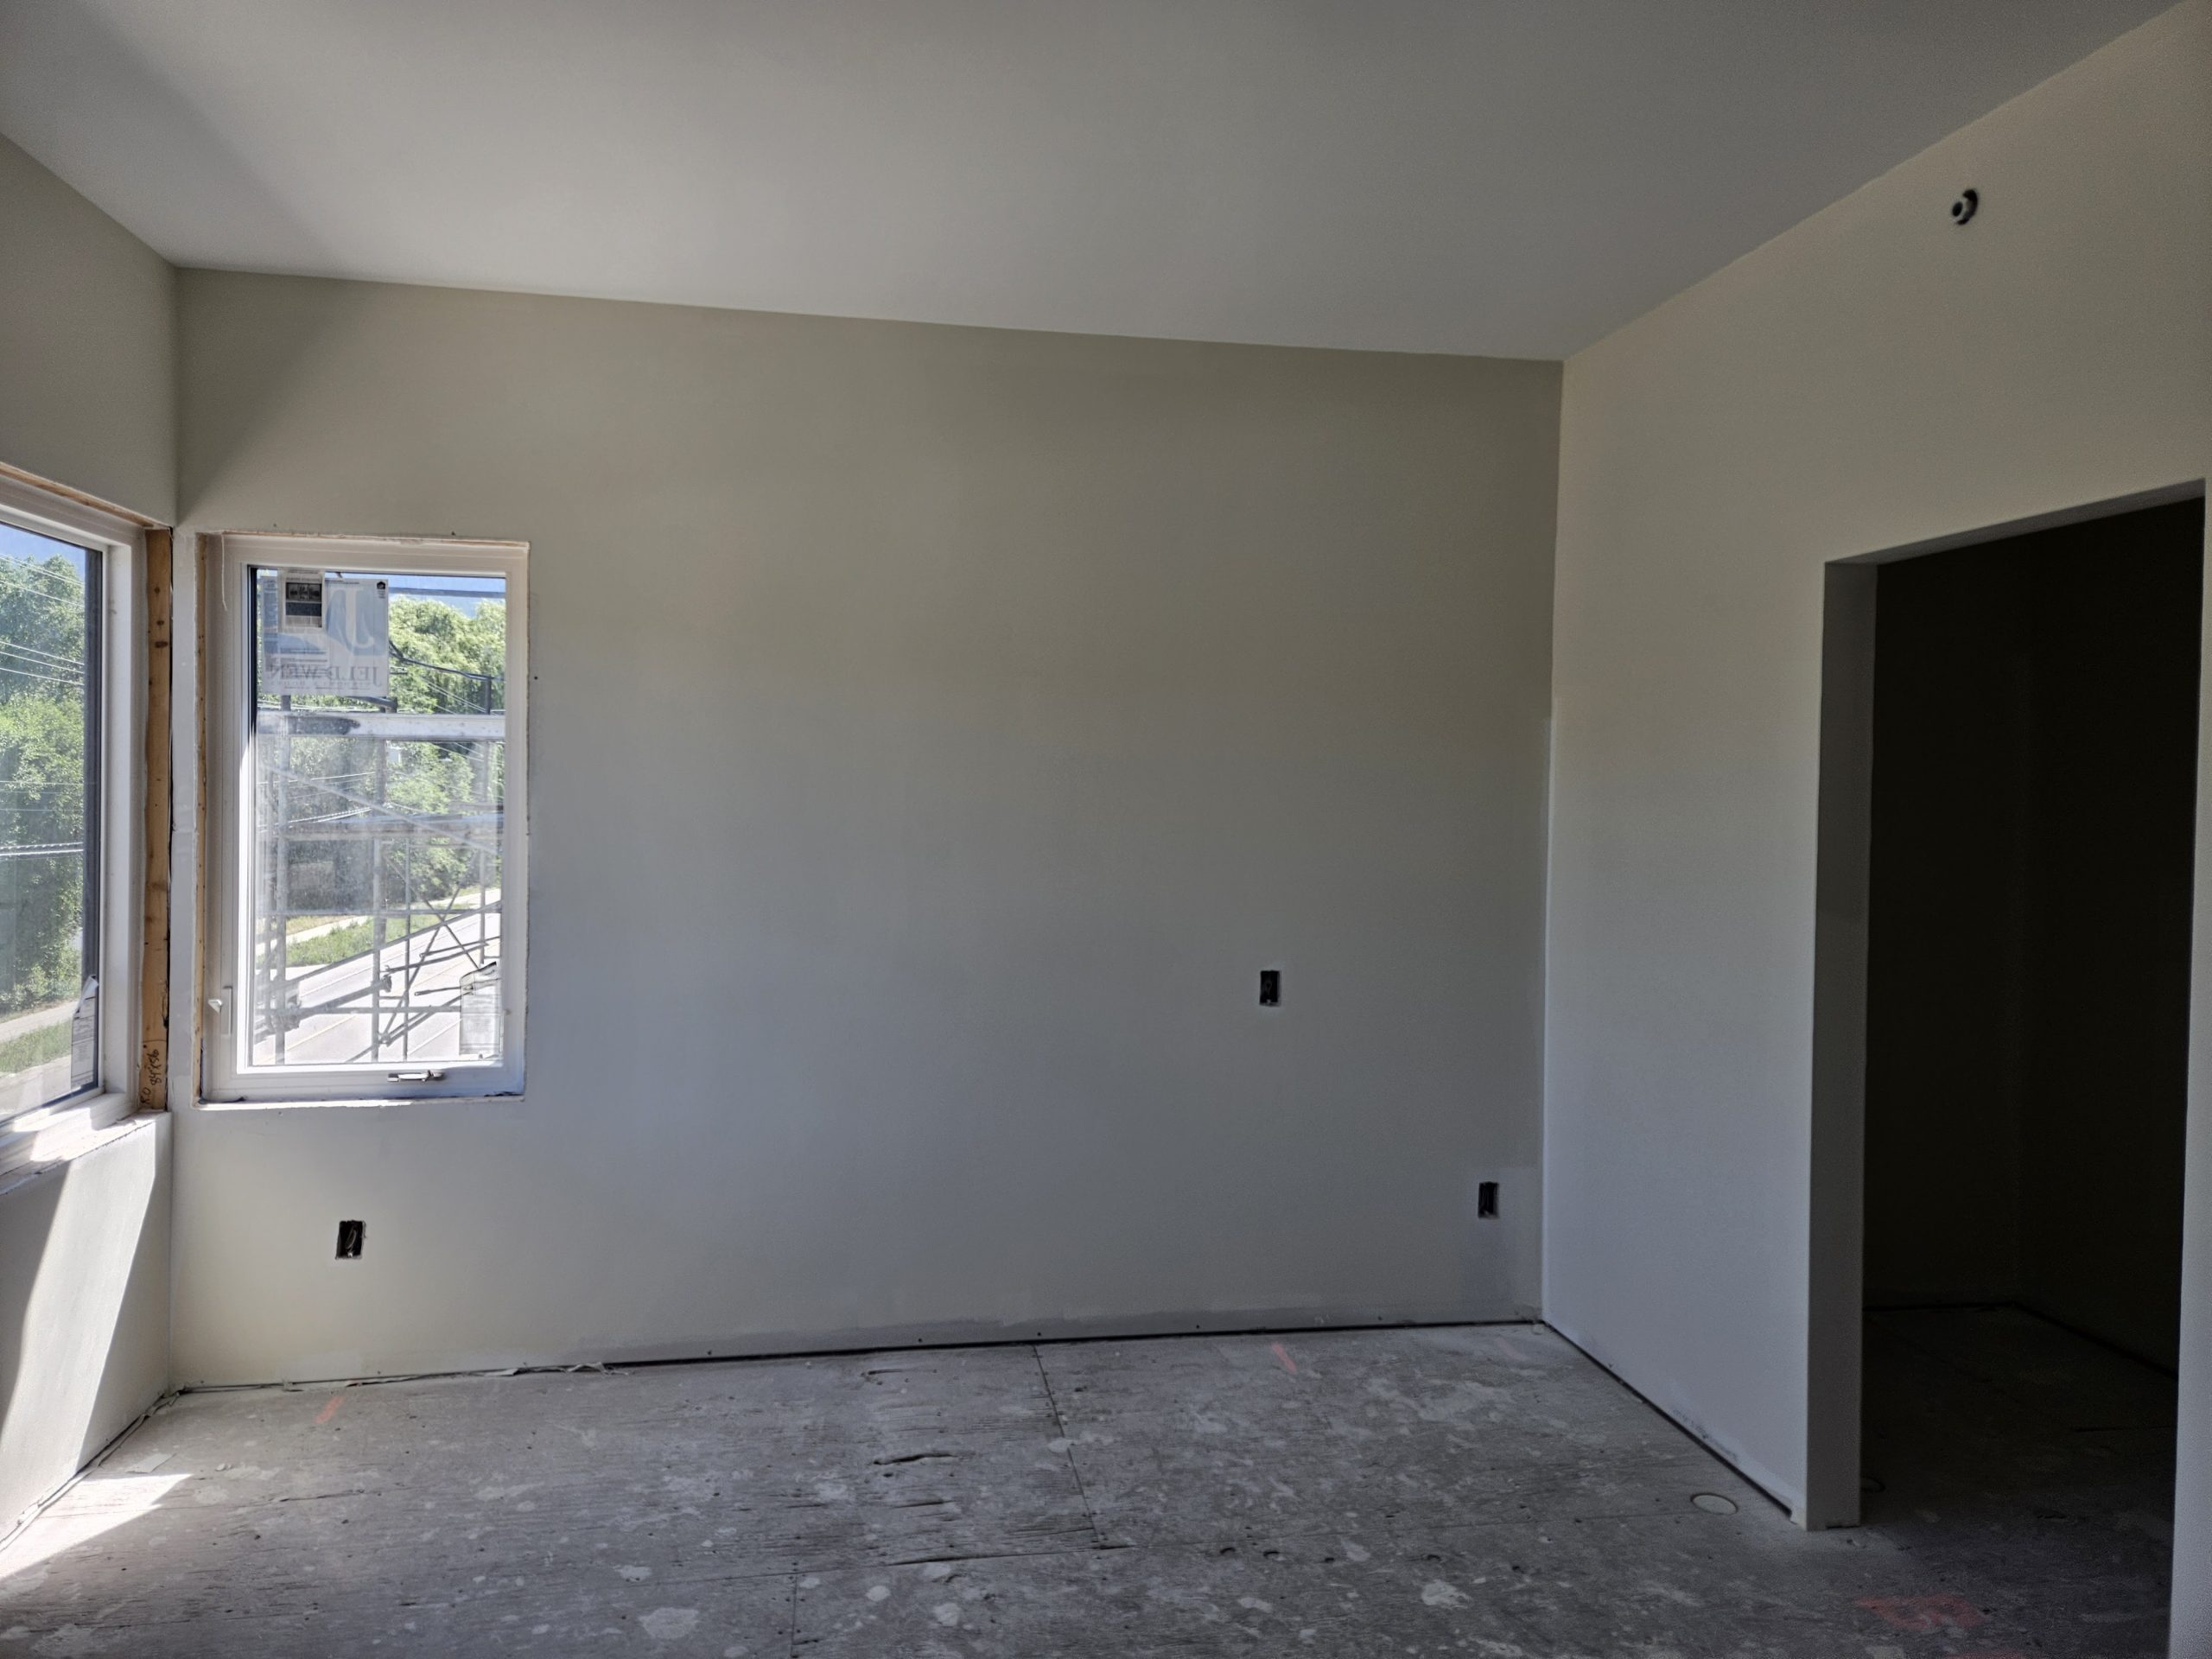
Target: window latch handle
column 418, row 1077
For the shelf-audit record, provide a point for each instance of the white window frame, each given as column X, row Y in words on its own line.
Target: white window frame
column 45, row 1132
column 227, row 1075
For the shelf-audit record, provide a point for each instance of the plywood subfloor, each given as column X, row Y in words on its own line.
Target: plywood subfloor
column 1483, row 1490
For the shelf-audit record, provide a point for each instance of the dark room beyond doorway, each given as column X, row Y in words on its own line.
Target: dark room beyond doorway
column 2033, row 826
column 2034, row 817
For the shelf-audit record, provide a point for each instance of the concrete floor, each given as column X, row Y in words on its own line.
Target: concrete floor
column 1481, row 1489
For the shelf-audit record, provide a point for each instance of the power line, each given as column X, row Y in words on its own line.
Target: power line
column 32, row 653
column 50, row 679
column 22, row 570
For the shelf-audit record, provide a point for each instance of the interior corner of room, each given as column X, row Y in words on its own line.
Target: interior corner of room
column 1189, row 945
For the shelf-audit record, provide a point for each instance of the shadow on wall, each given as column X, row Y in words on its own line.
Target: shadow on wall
column 84, row 1300
column 289, row 328
column 151, row 117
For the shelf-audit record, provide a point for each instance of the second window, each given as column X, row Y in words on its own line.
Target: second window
column 376, row 925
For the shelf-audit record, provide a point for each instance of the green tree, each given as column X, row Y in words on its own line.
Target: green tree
column 444, row 661
column 42, row 610
column 429, row 636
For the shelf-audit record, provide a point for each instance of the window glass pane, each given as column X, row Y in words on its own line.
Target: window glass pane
column 379, row 762
column 49, row 802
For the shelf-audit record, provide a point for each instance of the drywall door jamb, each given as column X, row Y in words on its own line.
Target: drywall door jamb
column 1838, row 1204
column 2190, row 1624
column 1837, row 1212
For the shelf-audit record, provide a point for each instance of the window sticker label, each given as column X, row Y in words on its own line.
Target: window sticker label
column 479, row 1012
column 332, row 637
column 84, row 1038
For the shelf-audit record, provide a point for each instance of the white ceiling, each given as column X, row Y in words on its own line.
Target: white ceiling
column 1515, row 177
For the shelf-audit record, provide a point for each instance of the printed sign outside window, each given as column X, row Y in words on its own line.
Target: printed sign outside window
column 331, row 637
column 302, row 603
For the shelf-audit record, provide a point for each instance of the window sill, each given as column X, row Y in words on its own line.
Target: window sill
column 38, row 1141
column 358, row 1102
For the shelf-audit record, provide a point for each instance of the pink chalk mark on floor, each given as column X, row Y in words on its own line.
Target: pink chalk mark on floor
column 330, row 1410
column 1922, row 1614
column 1283, row 1354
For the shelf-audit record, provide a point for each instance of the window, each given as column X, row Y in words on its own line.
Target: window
column 69, row 854
column 368, row 905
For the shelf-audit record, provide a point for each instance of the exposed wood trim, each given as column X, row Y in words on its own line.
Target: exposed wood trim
column 207, row 572
column 154, row 937
column 88, row 499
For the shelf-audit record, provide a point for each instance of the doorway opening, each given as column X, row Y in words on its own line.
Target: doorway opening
column 2029, row 873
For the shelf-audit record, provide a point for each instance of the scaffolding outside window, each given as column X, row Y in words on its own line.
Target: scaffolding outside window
column 377, row 928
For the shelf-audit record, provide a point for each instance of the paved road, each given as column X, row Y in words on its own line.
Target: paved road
column 344, row 1036
column 53, row 1015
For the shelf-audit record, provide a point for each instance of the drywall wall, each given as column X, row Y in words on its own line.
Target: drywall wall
column 934, row 733
column 86, row 388
column 87, row 347
column 2034, row 815
column 1877, row 378
column 84, row 1306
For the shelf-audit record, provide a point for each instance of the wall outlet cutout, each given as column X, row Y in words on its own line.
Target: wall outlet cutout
column 350, row 1234
column 1486, row 1201
column 1270, row 987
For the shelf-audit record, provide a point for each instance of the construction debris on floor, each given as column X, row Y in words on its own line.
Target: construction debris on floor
column 1476, row 1489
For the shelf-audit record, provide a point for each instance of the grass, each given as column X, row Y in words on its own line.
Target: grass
column 466, row 899
column 35, row 1047
column 353, row 938
column 347, row 940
